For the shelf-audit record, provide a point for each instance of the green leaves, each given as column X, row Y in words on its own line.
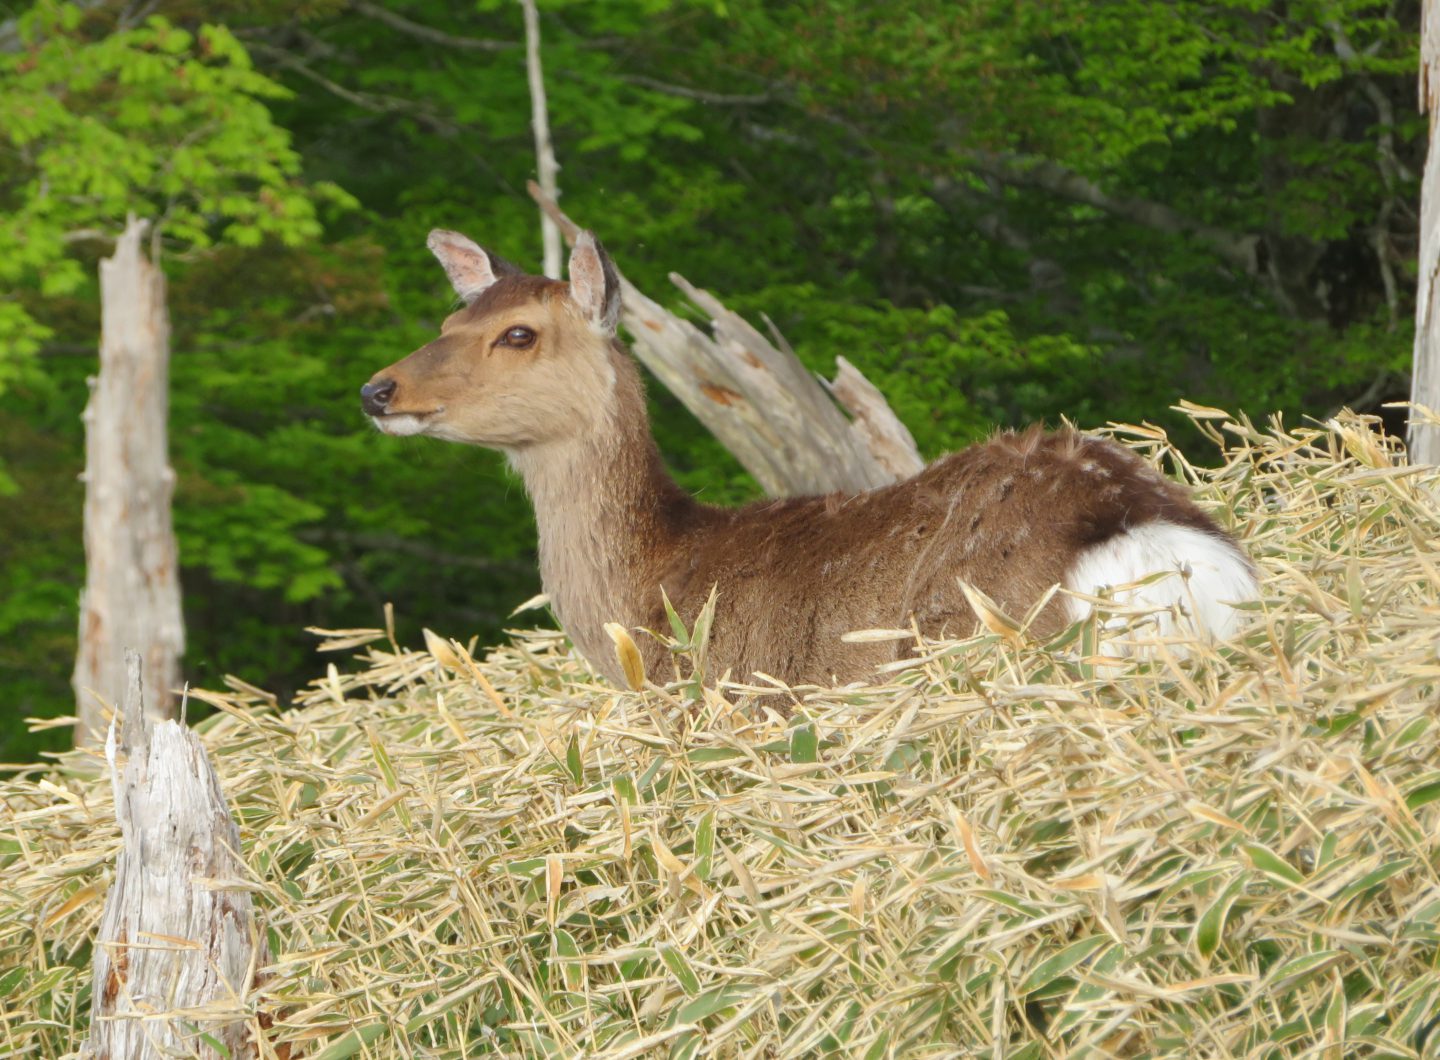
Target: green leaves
column 154, row 119
column 1209, row 930
column 1057, row 964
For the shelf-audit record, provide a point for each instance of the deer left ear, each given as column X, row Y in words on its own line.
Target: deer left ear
column 471, row 268
column 594, row 284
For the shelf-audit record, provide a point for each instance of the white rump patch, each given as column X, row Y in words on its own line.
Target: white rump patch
column 1201, row 576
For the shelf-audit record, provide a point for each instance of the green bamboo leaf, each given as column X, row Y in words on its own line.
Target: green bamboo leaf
column 677, row 625
column 804, row 744
column 572, row 761
column 713, row 754
column 11, row 980
column 1057, row 964
column 680, row 968
column 1411, row 732
column 382, row 759
column 712, row 1001
column 624, row 788
column 700, row 634
column 1271, row 863
column 1335, row 1013
column 705, row 845
column 214, row 1043
column 1210, row 928
column 880, row 1048
column 1009, row 901
column 1295, row 971
column 687, row 1046
column 459, row 989
column 1371, row 879
column 1103, row 964
column 349, row 1044
column 568, row 952
column 1423, row 795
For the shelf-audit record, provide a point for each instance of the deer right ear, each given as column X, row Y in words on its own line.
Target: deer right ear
column 471, row 268
column 594, row 284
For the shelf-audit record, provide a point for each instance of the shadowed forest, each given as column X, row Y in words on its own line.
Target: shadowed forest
column 1000, row 211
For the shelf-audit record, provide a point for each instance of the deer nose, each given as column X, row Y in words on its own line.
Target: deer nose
column 375, row 396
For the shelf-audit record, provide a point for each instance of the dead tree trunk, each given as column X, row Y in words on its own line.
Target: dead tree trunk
column 758, row 399
column 178, row 947
column 545, row 164
column 1424, row 440
column 132, row 584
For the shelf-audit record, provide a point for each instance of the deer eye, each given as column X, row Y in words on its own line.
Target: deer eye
column 516, row 338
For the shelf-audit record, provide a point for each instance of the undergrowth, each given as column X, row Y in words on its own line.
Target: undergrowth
column 1000, row 849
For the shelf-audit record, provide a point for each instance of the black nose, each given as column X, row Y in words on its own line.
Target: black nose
column 375, row 396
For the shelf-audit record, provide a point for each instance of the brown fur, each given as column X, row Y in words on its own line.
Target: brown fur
column 1009, row 516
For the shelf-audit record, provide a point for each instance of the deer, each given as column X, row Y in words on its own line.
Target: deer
column 533, row 367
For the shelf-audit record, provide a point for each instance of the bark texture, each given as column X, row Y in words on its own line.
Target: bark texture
column 545, row 165
column 1424, row 439
column 875, row 421
column 131, row 597
column 755, row 395
column 178, row 947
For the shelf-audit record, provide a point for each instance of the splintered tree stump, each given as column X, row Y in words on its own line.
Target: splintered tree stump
column 132, row 582
column 178, row 948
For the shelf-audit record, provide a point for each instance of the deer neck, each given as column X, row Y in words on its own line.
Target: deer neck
column 608, row 516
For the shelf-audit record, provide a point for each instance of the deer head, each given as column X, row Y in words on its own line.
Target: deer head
column 526, row 361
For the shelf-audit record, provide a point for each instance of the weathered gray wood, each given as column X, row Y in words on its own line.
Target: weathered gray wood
column 1424, row 439
column 752, row 393
column 178, row 947
column 875, row 421
column 132, row 584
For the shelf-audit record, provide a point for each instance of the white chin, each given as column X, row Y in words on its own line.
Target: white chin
column 400, row 425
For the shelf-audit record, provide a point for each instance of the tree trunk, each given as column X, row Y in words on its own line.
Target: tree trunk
column 178, row 933
column 1425, row 385
column 132, row 585
column 545, row 164
column 758, row 399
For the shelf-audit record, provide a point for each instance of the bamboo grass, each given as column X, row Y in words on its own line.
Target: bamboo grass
column 1006, row 849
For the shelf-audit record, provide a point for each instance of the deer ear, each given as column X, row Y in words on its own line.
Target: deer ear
column 594, row 284
column 470, row 267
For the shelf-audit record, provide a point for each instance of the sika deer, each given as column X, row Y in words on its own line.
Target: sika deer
column 532, row 367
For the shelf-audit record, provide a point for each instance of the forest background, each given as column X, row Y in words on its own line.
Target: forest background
column 1001, row 210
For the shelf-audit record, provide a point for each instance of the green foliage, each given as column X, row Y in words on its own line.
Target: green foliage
column 167, row 123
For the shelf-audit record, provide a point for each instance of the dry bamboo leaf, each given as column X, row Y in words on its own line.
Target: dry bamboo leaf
column 972, row 850
column 440, row 651
column 876, row 636
column 628, row 652
column 1140, row 825
column 990, row 615
column 554, row 876
column 535, row 603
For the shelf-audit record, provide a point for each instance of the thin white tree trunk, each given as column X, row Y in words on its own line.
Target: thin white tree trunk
column 178, row 948
column 1424, row 441
column 544, row 151
column 132, row 583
